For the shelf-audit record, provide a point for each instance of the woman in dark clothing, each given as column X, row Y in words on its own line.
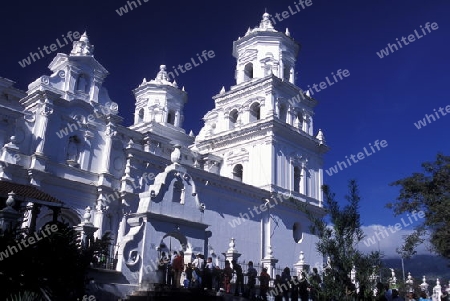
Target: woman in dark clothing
column 303, row 289
column 295, row 289
column 277, row 283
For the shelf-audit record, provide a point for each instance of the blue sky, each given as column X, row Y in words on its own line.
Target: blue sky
column 380, row 100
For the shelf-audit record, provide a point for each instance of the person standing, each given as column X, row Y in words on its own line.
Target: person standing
column 188, row 281
column 264, row 280
column 162, row 266
column 227, row 275
column 295, row 288
column 177, row 266
column 303, row 288
column 208, row 272
column 278, row 285
column 286, row 279
column 239, row 277
column 251, row 283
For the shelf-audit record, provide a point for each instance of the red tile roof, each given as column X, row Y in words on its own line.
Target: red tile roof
column 26, row 191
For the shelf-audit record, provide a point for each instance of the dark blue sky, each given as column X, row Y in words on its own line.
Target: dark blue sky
column 381, row 99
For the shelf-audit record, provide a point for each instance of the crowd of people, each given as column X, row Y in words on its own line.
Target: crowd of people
column 205, row 275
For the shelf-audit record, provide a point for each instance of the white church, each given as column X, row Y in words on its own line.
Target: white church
column 230, row 192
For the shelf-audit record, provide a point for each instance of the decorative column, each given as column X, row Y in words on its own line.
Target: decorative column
column 409, row 283
column 304, row 178
column 269, row 262
column 41, row 126
column 9, row 217
column 424, row 286
column 232, row 253
column 100, row 209
column 301, row 266
column 437, row 291
column 292, row 76
column 240, row 74
column 86, row 229
column 86, row 150
column 393, row 279
column 272, row 106
column 280, row 71
column 40, row 129
column 306, row 120
column 120, row 235
column 31, row 216
column 110, row 133
column 290, row 115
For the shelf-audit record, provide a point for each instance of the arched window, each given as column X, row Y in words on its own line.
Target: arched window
column 248, row 72
column 141, row 115
column 286, row 72
column 255, row 112
column 297, row 179
column 237, row 172
column 73, row 149
column 298, row 123
column 171, row 117
column 233, row 118
column 283, row 112
column 177, row 191
column 82, row 83
column 297, row 232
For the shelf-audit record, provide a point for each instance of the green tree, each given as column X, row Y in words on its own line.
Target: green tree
column 426, row 196
column 338, row 241
column 54, row 266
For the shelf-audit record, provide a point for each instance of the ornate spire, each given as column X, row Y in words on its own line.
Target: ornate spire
column 162, row 74
column 288, row 33
column 82, row 47
column 265, row 22
column 321, row 137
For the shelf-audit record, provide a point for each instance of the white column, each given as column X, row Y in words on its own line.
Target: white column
column 304, row 179
column 41, row 126
column 281, row 69
column 106, row 153
column 306, row 120
column 292, row 76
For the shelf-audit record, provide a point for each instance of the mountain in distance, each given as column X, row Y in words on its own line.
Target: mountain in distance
column 432, row 267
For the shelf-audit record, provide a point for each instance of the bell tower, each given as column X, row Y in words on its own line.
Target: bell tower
column 160, row 101
column 261, row 129
column 264, row 51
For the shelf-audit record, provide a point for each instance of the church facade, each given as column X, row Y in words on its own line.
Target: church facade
column 230, row 192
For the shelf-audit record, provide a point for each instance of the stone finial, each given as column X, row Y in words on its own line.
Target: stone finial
column 231, row 246
column 82, row 47
column 87, row 215
column 321, row 137
column 222, row 90
column 175, row 156
column 269, row 252
column 10, row 201
column 301, row 258
column 424, row 285
column 265, row 22
column 288, row 33
column 162, row 74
